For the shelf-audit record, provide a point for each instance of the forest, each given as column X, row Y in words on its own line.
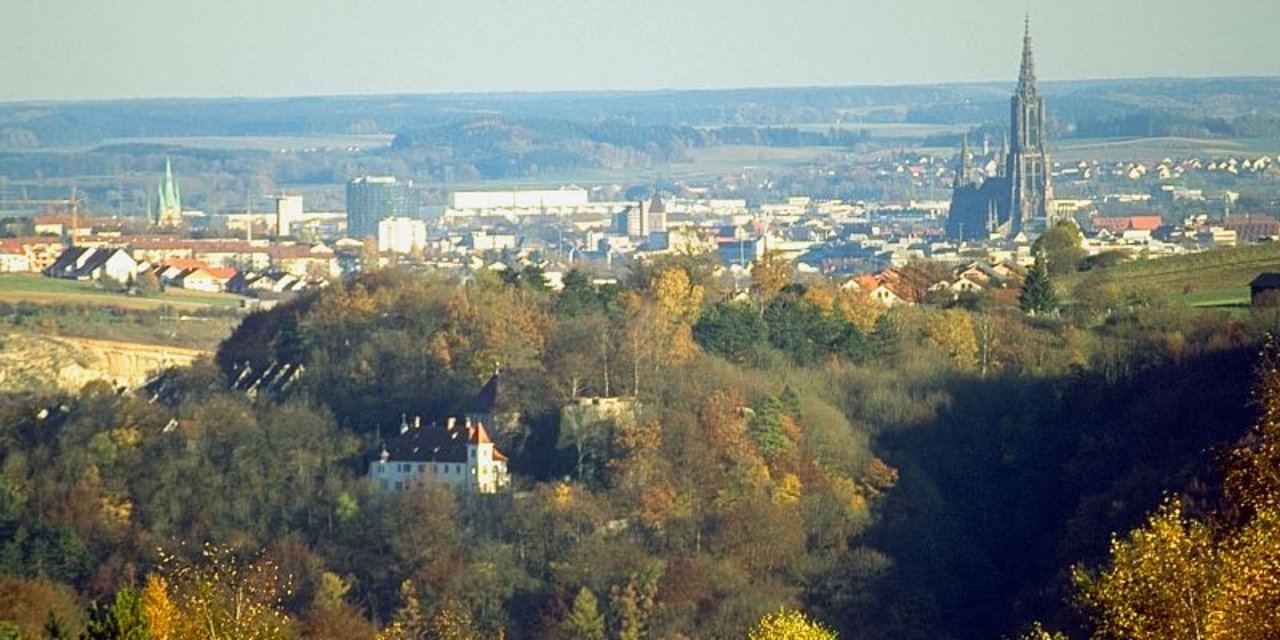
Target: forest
column 796, row 462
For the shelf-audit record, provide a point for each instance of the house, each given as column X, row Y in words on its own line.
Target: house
column 94, row 263
column 194, row 274
column 252, row 283
column 965, row 285
column 1264, row 291
column 40, row 251
column 199, row 279
column 12, row 258
column 459, row 454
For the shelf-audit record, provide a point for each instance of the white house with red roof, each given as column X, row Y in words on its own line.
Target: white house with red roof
column 460, row 455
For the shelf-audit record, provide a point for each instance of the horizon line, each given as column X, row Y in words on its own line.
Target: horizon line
column 613, row 91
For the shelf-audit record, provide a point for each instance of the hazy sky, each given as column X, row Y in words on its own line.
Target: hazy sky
column 71, row 49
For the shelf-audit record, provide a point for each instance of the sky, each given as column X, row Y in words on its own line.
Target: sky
column 93, row 49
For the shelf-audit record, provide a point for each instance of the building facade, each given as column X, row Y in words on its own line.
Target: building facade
column 459, row 455
column 401, row 235
column 288, row 214
column 373, row 198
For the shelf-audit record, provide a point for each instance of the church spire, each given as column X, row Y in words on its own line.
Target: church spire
column 962, row 165
column 1027, row 75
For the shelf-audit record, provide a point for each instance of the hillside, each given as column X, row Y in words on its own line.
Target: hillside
column 1218, row 269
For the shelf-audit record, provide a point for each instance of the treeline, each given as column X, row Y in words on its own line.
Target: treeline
column 1156, row 124
column 495, row 147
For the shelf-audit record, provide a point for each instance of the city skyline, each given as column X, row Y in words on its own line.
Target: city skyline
column 81, row 50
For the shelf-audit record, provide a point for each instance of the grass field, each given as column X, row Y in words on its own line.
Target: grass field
column 1209, row 279
column 41, row 290
column 1224, row 297
column 1121, row 149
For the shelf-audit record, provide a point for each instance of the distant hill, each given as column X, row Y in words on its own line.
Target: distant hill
column 1090, row 105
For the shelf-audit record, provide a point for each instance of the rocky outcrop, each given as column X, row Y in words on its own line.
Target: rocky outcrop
column 39, row 362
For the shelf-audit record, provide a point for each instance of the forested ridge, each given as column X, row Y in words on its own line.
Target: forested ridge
column 909, row 473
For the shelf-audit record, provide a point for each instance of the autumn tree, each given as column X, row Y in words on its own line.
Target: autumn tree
column 1214, row 576
column 632, row 603
column 225, row 596
column 1158, row 582
column 769, row 274
column 789, row 624
column 159, row 610
column 331, row 616
column 952, row 333
column 1062, row 246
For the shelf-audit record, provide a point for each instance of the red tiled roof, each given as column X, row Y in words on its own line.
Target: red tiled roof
column 480, row 435
column 183, row 263
column 1145, row 223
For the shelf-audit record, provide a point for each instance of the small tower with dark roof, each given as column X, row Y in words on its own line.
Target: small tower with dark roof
column 492, row 405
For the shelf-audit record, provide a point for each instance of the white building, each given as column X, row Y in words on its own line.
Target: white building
column 94, row 263
column 461, row 456
column 288, row 214
column 530, row 199
column 401, row 235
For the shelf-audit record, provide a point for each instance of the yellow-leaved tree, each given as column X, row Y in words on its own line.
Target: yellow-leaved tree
column 1216, row 577
column 789, row 624
column 222, row 597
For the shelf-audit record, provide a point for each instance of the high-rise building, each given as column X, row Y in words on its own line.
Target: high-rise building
column 1017, row 198
column 373, row 198
column 642, row 218
column 288, row 213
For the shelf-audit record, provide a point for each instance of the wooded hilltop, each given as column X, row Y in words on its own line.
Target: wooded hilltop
column 952, row 470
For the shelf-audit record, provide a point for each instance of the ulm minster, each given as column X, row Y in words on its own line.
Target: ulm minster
column 856, row 362
column 1018, row 198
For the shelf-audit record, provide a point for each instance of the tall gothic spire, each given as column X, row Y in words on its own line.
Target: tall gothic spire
column 962, row 164
column 1027, row 75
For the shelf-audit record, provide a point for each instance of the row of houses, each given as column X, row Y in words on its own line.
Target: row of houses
column 115, row 263
column 36, row 254
column 892, row 287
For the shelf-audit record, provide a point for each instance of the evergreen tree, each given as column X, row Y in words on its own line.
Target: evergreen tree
column 1037, row 295
column 885, row 342
column 123, row 619
column 584, row 622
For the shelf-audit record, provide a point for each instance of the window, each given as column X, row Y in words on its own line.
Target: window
column 435, row 467
column 457, row 468
column 422, row 467
column 399, row 486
